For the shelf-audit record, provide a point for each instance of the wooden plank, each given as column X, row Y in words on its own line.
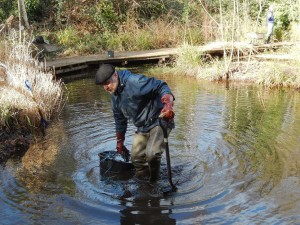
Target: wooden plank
column 118, row 56
column 69, row 64
column 71, row 68
column 47, row 48
column 281, row 57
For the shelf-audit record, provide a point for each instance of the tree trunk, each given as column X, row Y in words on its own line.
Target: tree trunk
column 23, row 10
column 20, row 22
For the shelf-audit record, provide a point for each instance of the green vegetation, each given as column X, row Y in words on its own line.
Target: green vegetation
column 86, row 26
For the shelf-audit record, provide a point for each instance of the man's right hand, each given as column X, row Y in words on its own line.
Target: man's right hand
column 121, row 149
column 120, row 142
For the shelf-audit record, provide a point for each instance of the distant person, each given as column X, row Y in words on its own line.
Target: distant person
column 141, row 100
column 270, row 20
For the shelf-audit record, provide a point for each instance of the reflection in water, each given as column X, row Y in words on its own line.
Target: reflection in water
column 146, row 211
column 234, row 153
column 39, row 171
column 256, row 127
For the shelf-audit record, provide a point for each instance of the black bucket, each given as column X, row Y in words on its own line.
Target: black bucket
column 112, row 163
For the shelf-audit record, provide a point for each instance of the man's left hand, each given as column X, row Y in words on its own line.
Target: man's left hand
column 167, row 110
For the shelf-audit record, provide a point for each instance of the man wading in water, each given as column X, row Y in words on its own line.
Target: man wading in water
column 142, row 100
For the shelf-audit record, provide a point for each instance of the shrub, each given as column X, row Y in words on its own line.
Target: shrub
column 105, row 16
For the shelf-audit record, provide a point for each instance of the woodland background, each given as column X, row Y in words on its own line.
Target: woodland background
column 89, row 26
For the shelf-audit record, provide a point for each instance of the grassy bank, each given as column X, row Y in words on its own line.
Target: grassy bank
column 192, row 62
column 20, row 108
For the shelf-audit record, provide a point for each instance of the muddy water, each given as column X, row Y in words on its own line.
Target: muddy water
column 235, row 155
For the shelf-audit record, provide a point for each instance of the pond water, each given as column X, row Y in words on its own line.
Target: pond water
column 235, row 155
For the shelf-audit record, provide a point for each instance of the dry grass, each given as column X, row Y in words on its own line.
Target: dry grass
column 18, row 107
column 192, row 62
column 276, row 74
column 295, row 32
column 132, row 36
column 285, row 74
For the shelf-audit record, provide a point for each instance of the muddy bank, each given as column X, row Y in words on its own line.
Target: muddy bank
column 13, row 143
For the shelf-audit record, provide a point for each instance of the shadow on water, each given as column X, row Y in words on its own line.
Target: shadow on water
column 234, row 154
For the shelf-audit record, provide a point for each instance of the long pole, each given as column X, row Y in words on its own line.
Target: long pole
column 165, row 131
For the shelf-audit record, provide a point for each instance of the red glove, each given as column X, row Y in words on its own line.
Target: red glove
column 120, row 142
column 167, row 111
column 121, row 149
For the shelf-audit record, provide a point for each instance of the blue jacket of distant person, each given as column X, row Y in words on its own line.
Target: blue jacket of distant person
column 271, row 18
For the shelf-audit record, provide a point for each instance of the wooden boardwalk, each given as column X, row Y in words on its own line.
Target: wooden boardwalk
column 74, row 64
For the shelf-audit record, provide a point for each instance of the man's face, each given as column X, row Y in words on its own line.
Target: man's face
column 112, row 84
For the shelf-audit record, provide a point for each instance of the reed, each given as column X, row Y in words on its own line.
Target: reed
column 279, row 75
column 295, row 31
column 18, row 107
column 285, row 74
column 192, row 62
column 155, row 34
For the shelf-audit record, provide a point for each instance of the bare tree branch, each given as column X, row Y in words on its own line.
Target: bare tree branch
column 208, row 13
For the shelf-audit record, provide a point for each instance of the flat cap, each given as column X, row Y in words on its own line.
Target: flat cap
column 104, row 72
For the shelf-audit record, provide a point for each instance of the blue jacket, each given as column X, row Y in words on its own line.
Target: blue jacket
column 271, row 18
column 138, row 98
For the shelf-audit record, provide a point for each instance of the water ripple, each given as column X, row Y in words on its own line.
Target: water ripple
column 232, row 153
